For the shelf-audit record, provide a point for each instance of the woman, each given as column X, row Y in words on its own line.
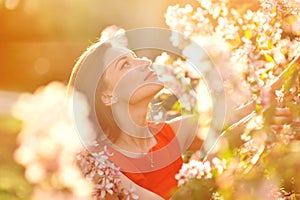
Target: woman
column 126, row 87
column 149, row 154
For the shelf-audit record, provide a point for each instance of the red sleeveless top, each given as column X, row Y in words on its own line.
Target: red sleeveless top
column 166, row 157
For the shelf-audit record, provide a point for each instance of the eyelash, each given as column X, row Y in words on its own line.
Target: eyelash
column 125, row 63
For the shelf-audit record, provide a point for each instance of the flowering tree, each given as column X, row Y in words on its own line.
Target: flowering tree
column 259, row 47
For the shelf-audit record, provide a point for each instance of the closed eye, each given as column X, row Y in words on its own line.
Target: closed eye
column 125, row 61
column 125, row 64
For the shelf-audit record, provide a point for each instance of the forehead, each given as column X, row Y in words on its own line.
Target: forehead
column 113, row 54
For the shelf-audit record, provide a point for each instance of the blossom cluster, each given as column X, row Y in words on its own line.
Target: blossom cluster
column 200, row 170
column 256, row 42
column 258, row 39
column 114, row 35
column 182, row 79
column 97, row 168
column 50, row 149
column 48, row 143
column 179, row 78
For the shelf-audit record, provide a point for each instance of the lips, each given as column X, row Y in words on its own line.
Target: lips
column 149, row 76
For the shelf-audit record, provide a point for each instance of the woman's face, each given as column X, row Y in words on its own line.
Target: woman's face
column 129, row 78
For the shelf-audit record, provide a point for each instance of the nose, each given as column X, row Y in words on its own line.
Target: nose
column 143, row 62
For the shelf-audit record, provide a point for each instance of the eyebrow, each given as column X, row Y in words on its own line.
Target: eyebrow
column 120, row 59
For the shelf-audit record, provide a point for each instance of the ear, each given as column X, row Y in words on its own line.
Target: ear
column 109, row 100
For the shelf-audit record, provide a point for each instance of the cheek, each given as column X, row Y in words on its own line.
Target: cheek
column 126, row 86
column 132, row 87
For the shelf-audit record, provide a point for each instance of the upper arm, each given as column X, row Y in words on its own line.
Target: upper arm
column 186, row 129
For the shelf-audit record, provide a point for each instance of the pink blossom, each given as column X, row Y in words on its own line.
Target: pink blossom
column 198, row 169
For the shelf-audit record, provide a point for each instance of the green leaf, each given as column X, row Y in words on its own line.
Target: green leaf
column 263, row 76
column 269, row 58
column 248, row 34
column 269, row 114
column 270, row 45
column 291, row 19
column 258, row 108
column 176, row 106
column 290, row 78
column 294, row 108
column 195, row 189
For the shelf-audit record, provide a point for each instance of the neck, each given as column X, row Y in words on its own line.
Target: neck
column 132, row 119
column 138, row 113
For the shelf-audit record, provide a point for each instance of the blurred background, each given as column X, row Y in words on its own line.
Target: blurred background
column 40, row 42
column 42, row 39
